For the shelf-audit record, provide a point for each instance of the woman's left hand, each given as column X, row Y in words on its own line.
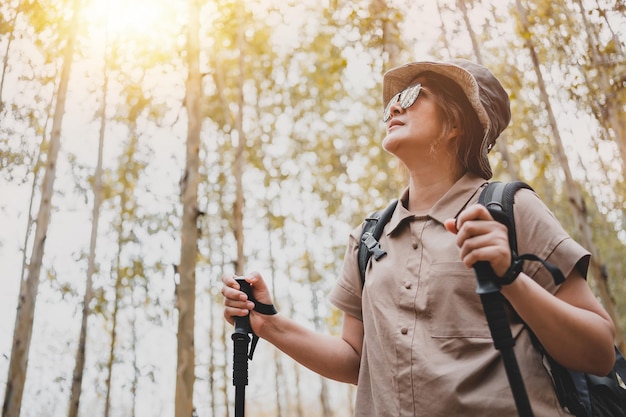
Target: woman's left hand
column 481, row 238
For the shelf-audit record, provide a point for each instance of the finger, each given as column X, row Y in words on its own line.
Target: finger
column 255, row 278
column 491, row 247
column 450, row 226
column 472, row 257
column 230, row 281
column 474, row 234
column 238, row 308
column 236, row 302
column 230, row 313
column 231, row 293
column 472, row 228
column 260, row 290
column 499, row 263
column 473, row 212
column 492, row 242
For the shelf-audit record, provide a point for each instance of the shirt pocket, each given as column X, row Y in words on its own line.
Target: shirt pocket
column 454, row 309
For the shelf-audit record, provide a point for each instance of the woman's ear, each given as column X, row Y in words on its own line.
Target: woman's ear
column 454, row 134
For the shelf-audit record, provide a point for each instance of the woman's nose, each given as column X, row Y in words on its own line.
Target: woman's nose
column 395, row 109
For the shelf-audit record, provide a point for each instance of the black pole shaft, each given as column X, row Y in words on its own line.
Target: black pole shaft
column 241, row 340
column 240, row 369
column 240, row 401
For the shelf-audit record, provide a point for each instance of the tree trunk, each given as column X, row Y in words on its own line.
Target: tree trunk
column 136, row 371
column 300, row 406
column 572, row 188
column 79, row 367
column 278, row 367
column 23, row 331
column 327, row 410
column 226, row 376
column 212, row 322
column 444, row 30
column 297, row 396
column 186, row 302
column 391, row 45
column 5, row 60
column 116, row 307
column 460, row 4
column 609, row 108
column 240, row 149
column 224, row 340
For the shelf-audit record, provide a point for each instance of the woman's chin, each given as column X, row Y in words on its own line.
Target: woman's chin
column 391, row 143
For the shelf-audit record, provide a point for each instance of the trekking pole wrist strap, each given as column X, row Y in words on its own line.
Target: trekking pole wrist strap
column 262, row 308
column 511, row 274
column 266, row 309
column 517, row 264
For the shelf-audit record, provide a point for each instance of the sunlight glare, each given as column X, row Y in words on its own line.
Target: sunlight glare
column 125, row 18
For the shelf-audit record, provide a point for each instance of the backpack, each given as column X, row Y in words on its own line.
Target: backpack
column 584, row 395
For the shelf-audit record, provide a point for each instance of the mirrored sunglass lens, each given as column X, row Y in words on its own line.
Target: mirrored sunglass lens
column 406, row 98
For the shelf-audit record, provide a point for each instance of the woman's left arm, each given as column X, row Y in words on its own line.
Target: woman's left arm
column 571, row 324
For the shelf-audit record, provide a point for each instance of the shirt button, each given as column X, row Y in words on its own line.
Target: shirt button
column 414, row 245
column 404, row 330
column 407, row 285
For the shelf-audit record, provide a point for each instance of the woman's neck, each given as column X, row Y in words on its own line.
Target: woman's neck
column 428, row 188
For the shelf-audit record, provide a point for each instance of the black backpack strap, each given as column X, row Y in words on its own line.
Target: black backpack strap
column 372, row 230
column 499, row 198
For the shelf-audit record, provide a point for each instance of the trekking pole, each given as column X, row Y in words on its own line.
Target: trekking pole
column 241, row 339
column 493, row 305
column 242, row 336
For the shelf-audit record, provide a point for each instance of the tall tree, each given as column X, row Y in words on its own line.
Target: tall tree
column 5, row 60
column 572, row 188
column 241, row 141
column 23, row 330
column 608, row 58
column 314, row 278
column 273, row 221
column 185, row 366
column 390, row 33
column 79, row 366
column 124, row 269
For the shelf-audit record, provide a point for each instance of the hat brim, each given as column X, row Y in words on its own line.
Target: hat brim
column 397, row 79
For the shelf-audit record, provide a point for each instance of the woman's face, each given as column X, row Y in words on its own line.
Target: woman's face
column 414, row 132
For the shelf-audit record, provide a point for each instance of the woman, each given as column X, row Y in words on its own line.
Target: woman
column 415, row 338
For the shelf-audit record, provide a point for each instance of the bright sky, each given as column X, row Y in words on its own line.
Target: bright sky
column 129, row 18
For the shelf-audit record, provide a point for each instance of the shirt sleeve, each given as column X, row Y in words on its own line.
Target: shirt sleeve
column 346, row 294
column 540, row 233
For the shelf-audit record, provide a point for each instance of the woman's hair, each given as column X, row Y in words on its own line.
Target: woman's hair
column 458, row 113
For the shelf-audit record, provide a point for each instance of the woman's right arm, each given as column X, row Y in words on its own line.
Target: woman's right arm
column 333, row 357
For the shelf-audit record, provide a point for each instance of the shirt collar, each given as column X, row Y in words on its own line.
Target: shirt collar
column 448, row 206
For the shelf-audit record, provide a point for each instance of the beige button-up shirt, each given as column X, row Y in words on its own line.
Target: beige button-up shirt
column 427, row 349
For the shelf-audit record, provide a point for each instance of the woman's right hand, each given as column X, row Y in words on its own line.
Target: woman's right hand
column 236, row 302
column 334, row 357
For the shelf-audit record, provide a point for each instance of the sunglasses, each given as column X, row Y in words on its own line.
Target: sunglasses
column 406, row 98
